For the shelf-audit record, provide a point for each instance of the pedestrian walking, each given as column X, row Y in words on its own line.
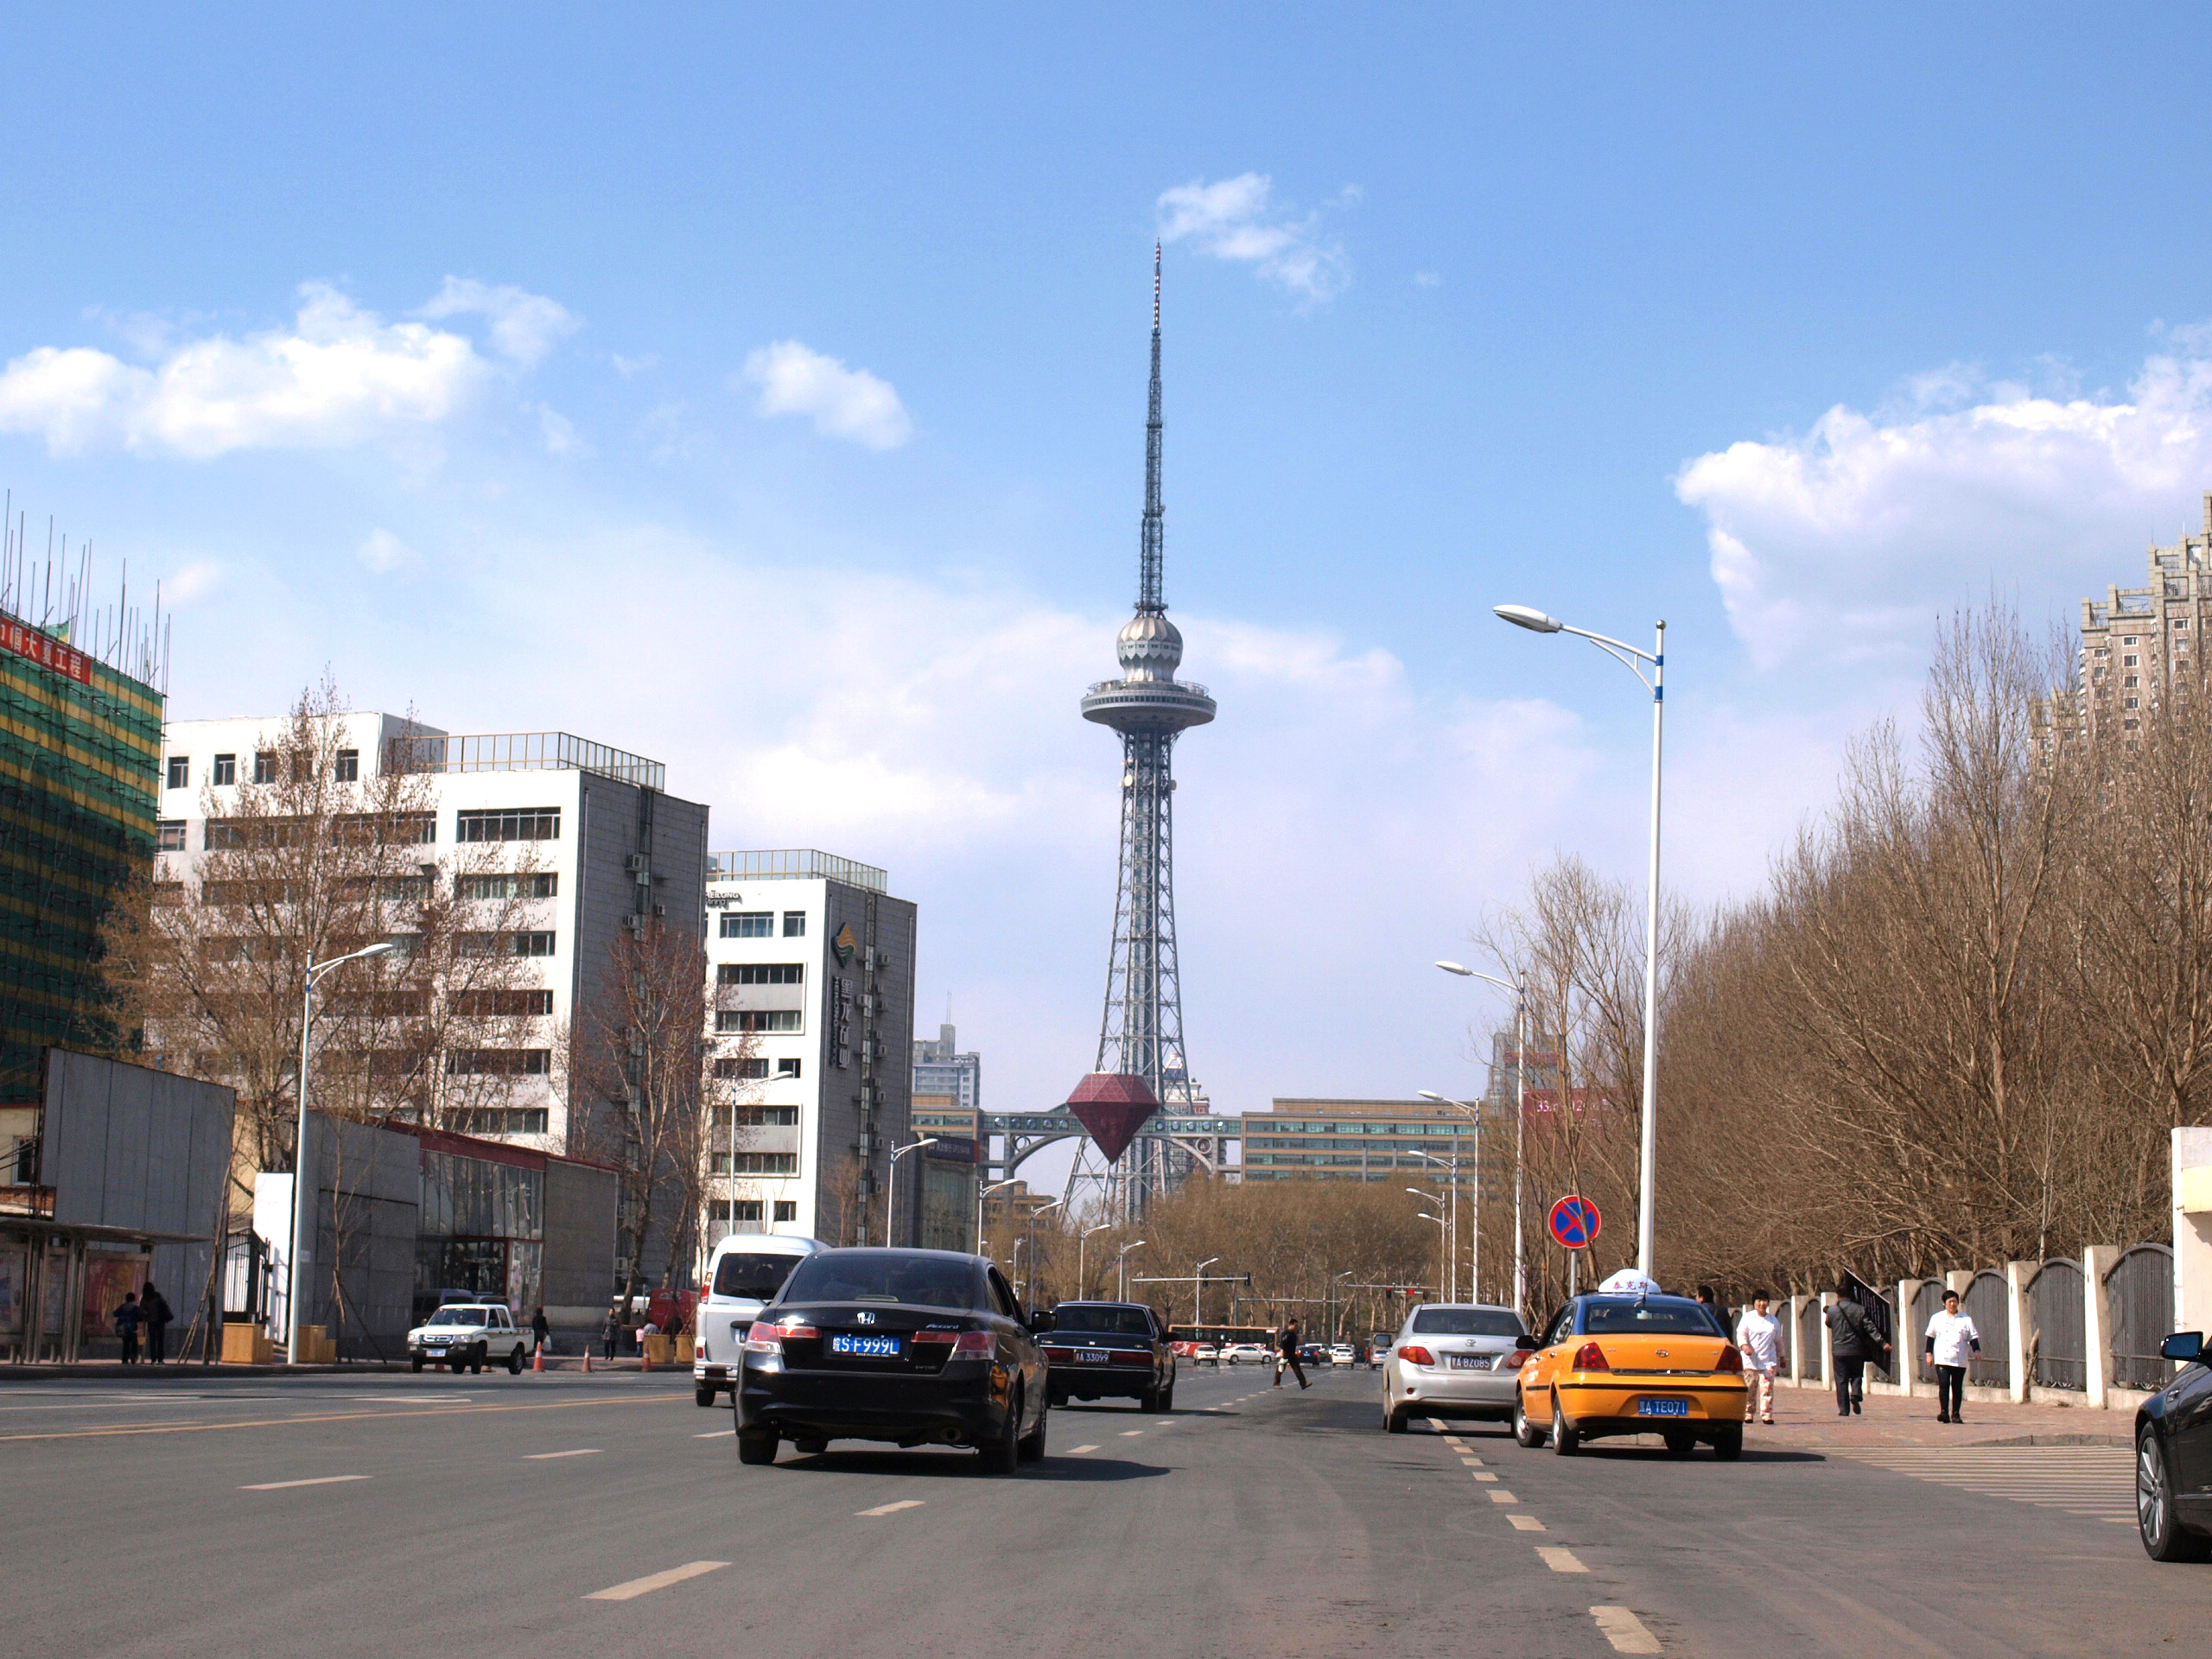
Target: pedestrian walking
column 1853, row 1340
column 1287, row 1345
column 158, row 1316
column 1952, row 1342
column 1758, row 1333
column 126, row 1320
column 541, row 1330
column 610, row 1333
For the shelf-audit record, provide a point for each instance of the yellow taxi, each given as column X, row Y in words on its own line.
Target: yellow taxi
column 1632, row 1363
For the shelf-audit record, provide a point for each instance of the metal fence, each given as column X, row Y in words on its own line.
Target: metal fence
column 1988, row 1304
column 2139, row 1290
column 2058, row 1335
column 1927, row 1303
column 1808, row 1340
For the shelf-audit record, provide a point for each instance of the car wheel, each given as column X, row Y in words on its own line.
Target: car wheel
column 1167, row 1400
column 1030, row 1448
column 1394, row 1422
column 755, row 1446
column 476, row 1362
column 415, row 1362
column 2164, row 1538
column 1148, row 1402
column 703, row 1393
column 1565, row 1440
column 1524, row 1432
column 1728, row 1445
column 514, row 1363
column 1679, row 1445
column 999, row 1454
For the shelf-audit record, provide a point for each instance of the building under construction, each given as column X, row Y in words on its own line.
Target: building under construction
column 80, row 749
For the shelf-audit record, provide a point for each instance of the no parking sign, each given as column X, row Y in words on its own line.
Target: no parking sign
column 1575, row 1221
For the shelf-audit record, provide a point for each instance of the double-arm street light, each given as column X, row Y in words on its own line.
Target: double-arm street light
column 996, row 1186
column 1633, row 659
column 1445, row 1283
column 1029, row 1291
column 891, row 1187
column 1082, row 1244
column 1475, row 1253
column 296, row 1277
column 1520, row 989
column 1122, row 1270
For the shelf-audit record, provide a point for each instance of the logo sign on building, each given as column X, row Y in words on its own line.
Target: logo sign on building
column 45, row 650
column 1574, row 1222
column 844, row 944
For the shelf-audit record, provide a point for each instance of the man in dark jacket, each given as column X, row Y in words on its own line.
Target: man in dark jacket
column 541, row 1331
column 1853, row 1340
column 126, row 1320
column 1289, row 1347
column 155, row 1307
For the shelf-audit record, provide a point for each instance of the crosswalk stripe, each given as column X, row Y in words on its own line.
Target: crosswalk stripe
column 2095, row 1481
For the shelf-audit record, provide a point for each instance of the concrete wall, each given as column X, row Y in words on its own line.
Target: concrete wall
column 579, row 1260
column 127, row 1145
column 369, row 1190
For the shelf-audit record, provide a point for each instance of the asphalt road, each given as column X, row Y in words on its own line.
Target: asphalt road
column 189, row 1515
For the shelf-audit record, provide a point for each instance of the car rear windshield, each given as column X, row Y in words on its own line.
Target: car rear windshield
column 755, row 1277
column 1115, row 1321
column 1466, row 1322
column 882, row 1276
column 1651, row 1316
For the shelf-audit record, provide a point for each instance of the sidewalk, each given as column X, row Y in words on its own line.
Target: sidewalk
column 1805, row 1418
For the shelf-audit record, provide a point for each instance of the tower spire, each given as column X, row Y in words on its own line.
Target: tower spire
column 1152, row 539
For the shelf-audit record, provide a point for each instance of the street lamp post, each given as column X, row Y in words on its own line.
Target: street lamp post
column 995, row 1187
column 1082, row 1245
column 1122, row 1270
column 295, row 1278
column 1520, row 989
column 1453, row 1292
column 1029, row 1296
column 1444, row 1284
column 1197, row 1288
column 891, row 1187
column 1442, row 1247
column 1633, row 659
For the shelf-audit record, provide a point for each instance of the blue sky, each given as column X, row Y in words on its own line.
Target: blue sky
column 765, row 394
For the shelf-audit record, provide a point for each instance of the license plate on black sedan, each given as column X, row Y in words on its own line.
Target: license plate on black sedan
column 870, row 1347
column 1091, row 1356
column 1662, row 1408
column 1470, row 1361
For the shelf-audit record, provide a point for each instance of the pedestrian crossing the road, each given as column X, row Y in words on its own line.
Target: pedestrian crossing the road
column 2095, row 1481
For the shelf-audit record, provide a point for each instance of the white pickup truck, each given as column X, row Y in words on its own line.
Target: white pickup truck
column 467, row 1334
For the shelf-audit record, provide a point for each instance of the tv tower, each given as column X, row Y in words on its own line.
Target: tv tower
column 1141, row 1035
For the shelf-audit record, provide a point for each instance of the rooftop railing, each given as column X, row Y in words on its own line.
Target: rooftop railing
column 795, row 864
column 527, row 752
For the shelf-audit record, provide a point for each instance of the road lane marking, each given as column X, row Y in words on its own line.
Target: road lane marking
column 1472, row 1463
column 1527, row 1523
column 320, row 1480
column 1078, row 1451
column 1621, row 1627
column 2095, row 1481
column 714, row 1434
column 581, row 1451
column 1560, row 1560
column 1484, row 1475
column 341, row 1417
column 1130, row 1434
column 656, row 1581
column 1164, row 1422
column 1499, row 1495
column 892, row 1509
column 1437, row 1423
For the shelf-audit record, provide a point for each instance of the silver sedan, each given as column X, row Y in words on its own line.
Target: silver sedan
column 1453, row 1359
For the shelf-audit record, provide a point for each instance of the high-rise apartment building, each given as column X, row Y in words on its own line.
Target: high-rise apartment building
column 2137, row 643
column 948, row 1100
column 1306, row 1140
column 813, row 967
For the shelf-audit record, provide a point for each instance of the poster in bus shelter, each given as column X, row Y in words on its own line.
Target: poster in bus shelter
column 108, row 1280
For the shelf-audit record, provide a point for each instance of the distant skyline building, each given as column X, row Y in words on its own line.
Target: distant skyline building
column 2136, row 643
column 948, row 1097
column 1141, row 1033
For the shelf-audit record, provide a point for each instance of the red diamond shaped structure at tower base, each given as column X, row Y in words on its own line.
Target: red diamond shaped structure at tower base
column 1112, row 1106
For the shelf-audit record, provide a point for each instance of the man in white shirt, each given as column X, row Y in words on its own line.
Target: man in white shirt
column 1760, row 1337
column 1951, row 1341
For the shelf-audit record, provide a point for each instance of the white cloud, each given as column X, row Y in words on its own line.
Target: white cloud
column 200, row 579
column 631, row 367
column 1846, row 541
column 524, row 326
column 559, row 434
column 384, row 552
column 339, row 375
column 1239, row 219
column 795, row 379
column 1427, row 279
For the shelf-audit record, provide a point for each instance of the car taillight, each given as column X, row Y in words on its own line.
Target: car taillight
column 1061, row 1356
column 1517, row 1358
column 1732, row 1359
column 920, row 1336
column 1121, row 1358
column 1417, row 1354
column 1591, row 1357
column 766, row 1338
column 975, row 1344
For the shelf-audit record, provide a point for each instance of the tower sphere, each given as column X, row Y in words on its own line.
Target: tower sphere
column 1150, row 647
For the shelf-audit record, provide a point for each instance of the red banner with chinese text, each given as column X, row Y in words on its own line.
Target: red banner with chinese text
column 45, row 650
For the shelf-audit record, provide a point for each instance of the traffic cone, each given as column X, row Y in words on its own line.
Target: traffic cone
column 537, row 1360
column 586, row 1359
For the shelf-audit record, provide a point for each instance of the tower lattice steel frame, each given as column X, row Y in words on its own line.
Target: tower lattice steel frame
column 1141, row 1033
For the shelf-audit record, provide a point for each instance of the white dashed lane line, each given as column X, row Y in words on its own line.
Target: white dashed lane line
column 1560, row 1560
column 1131, row 1433
column 655, row 1581
column 545, row 1457
column 1527, row 1523
column 892, row 1509
column 1499, row 1495
column 1621, row 1627
column 320, row 1480
column 1078, row 1451
column 714, row 1434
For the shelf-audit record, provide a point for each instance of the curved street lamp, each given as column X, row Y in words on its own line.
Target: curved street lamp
column 1082, row 1245
column 995, row 1187
column 1198, row 1286
column 1520, row 989
column 891, row 1187
column 1122, row 1270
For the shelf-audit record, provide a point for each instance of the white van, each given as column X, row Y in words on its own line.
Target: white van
column 746, row 1270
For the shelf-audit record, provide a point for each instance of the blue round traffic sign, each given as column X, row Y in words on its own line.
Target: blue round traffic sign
column 1574, row 1222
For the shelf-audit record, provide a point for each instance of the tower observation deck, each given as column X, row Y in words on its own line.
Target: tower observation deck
column 1141, row 1034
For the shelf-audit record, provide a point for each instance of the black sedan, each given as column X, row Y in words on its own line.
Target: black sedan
column 1098, row 1349
column 916, row 1347
column 2173, row 1456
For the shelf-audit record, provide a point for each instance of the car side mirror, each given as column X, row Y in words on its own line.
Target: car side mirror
column 1524, row 1342
column 1039, row 1321
column 2183, row 1346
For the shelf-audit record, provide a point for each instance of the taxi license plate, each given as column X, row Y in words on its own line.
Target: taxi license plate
column 1662, row 1408
column 1091, row 1356
column 878, row 1347
column 1470, row 1361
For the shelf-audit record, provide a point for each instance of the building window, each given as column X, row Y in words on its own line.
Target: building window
column 786, row 1209
column 533, row 885
column 2131, row 702
column 502, row 1005
column 763, row 1163
column 2131, row 724
column 226, row 769
column 2128, row 640
column 500, row 1062
column 527, row 943
column 773, row 1118
column 179, row 771
column 517, row 823
column 746, row 1070
column 527, row 1120
column 171, row 833
column 2131, row 662
column 787, row 1068
column 2181, row 627
column 349, row 767
column 732, row 1212
column 761, row 973
column 2131, row 680
column 403, row 945
column 2103, row 651
column 748, row 924
column 265, row 767
column 784, row 1020
column 794, row 924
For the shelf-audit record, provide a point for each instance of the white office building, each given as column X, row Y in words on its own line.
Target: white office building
column 813, row 967
column 604, row 845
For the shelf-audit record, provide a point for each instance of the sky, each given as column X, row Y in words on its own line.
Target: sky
column 763, row 391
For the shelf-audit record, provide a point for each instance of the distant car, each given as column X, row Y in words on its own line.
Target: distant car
column 465, row 1335
column 1452, row 1360
column 745, row 1272
column 915, row 1347
column 1205, row 1353
column 1342, row 1354
column 1095, row 1351
column 1378, row 1349
column 1248, row 1353
column 1632, row 1364
column 1313, row 1353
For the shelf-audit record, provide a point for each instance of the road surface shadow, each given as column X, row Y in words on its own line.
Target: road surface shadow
column 941, row 1462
